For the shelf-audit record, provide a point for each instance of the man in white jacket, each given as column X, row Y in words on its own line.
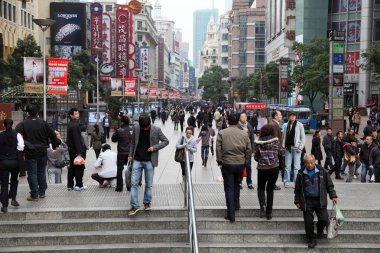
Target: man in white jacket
column 107, row 163
column 294, row 142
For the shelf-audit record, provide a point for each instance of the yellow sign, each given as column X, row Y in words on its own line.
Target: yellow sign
column 33, row 88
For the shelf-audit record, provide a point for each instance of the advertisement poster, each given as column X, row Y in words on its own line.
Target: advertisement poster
column 153, row 91
column 33, row 75
column 107, row 47
column 96, row 32
column 130, row 87
column 353, row 31
column 164, row 94
column 116, row 87
column 68, row 34
column 352, row 62
column 57, row 76
column 144, row 63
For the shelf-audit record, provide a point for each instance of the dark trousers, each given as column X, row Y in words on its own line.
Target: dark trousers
column 313, row 205
column 100, row 179
column 8, row 167
column 97, row 152
column 107, row 132
column 75, row 171
column 181, row 125
column 122, row 159
column 176, row 125
column 376, row 171
column 199, row 124
column 266, row 179
column 356, row 127
column 328, row 161
column 231, row 175
column 153, row 119
column 248, row 169
column 36, row 169
column 183, row 167
column 337, row 167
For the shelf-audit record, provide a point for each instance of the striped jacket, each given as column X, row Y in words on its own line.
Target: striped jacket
column 267, row 152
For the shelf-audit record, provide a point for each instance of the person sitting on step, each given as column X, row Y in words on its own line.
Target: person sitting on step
column 107, row 163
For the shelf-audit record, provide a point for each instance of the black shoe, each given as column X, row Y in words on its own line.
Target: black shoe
column 118, row 190
column 237, row 207
column 262, row 212
column 339, row 178
column 4, row 209
column 276, row 188
column 312, row 243
column 250, row 186
column 229, row 218
column 269, row 216
column 42, row 196
column 320, row 235
column 14, row 203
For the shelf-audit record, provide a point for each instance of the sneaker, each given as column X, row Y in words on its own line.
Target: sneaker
column 287, row 185
column 30, row 198
column 355, row 177
column 42, row 196
column 250, row 186
column 77, row 188
column 147, row 207
column 133, row 211
column 276, row 188
column 14, row 203
column 70, row 188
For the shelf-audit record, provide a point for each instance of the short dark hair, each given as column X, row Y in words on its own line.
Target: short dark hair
column 274, row 113
column 267, row 130
column 339, row 133
column 329, row 128
column 72, row 110
column 83, row 128
column 125, row 120
column 233, row 119
column 190, row 128
column 106, row 147
column 32, row 110
column 144, row 121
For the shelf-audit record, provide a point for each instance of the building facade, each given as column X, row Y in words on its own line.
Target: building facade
column 209, row 53
column 223, row 39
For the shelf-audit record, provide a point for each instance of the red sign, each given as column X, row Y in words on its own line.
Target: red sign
column 164, row 94
column 352, row 62
column 57, row 76
column 153, row 91
column 96, row 31
column 130, row 87
column 284, row 84
column 5, row 113
column 256, row 106
column 171, row 94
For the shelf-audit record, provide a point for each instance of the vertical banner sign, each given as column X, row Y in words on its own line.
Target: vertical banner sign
column 57, row 76
column 284, row 82
column 116, row 87
column 144, row 62
column 153, row 92
column 33, row 75
column 96, row 31
column 130, row 87
column 107, row 44
column 164, row 94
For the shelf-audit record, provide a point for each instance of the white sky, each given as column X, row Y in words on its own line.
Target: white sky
column 181, row 12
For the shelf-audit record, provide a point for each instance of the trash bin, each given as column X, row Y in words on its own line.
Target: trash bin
column 313, row 124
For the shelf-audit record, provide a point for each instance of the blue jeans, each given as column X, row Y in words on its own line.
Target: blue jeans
column 204, row 151
column 36, row 169
column 365, row 170
column 292, row 156
column 137, row 169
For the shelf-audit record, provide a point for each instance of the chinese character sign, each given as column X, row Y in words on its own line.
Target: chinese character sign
column 153, row 91
column 352, row 62
column 107, row 38
column 96, row 31
column 144, row 62
column 57, row 76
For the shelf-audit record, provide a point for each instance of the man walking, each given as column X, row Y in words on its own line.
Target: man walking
column 147, row 140
column 245, row 126
column 313, row 184
column 76, row 149
column 107, row 125
column 294, row 144
column 191, row 121
column 338, row 154
column 365, row 153
column 328, row 142
column 233, row 151
column 123, row 137
column 276, row 124
column 36, row 133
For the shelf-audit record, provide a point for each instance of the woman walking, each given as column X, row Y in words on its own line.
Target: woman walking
column 189, row 142
column 96, row 140
column 316, row 150
column 11, row 143
column 267, row 154
column 205, row 137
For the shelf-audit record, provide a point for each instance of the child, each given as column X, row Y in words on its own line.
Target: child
column 212, row 134
column 55, row 162
column 204, row 135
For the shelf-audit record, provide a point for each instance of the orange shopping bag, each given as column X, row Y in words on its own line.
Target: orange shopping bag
column 245, row 172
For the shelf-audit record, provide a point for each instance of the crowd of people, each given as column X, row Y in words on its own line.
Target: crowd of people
column 278, row 149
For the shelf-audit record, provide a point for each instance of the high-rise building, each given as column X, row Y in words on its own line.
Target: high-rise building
column 184, row 50
column 223, row 39
column 209, row 53
column 228, row 5
column 200, row 21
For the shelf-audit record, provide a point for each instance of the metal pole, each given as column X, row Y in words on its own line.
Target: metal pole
column 44, row 45
column 97, row 89
column 123, row 83
column 261, row 85
column 138, row 93
column 279, row 83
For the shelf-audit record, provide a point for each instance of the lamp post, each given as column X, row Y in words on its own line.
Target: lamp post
column 79, row 90
column 138, row 71
column 97, row 50
column 44, row 24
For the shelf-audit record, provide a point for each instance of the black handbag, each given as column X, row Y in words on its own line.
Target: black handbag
column 103, row 138
column 60, row 164
column 180, row 153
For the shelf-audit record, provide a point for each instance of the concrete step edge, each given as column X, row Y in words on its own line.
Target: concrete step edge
column 327, row 244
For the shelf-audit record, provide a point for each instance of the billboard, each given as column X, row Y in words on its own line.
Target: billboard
column 68, row 34
column 57, row 76
column 116, row 87
column 96, row 32
column 33, row 75
column 130, row 87
column 153, row 91
column 107, row 48
column 143, row 63
column 352, row 62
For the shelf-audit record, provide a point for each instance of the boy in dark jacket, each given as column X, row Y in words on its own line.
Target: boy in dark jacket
column 312, row 186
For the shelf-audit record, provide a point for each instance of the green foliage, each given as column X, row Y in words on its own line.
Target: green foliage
column 81, row 68
column 311, row 69
column 271, row 81
column 372, row 60
column 243, row 85
column 213, row 86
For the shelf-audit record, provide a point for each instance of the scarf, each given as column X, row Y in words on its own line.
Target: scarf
column 243, row 125
column 290, row 133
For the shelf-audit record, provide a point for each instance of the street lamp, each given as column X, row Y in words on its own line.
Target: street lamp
column 44, row 24
column 97, row 50
column 138, row 71
column 79, row 90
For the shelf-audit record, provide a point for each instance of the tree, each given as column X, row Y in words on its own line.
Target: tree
column 311, row 71
column 214, row 87
column 372, row 60
column 271, row 80
column 82, row 69
column 243, row 85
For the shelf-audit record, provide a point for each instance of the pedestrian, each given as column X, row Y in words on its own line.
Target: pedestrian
column 163, row 116
column 375, row 137
column 153, row 115
column 338, row 154
column 316, row 150
column 96, row 140
column 191, row 121
column 233, row 151
column 147, row 140
column 254, row 122
column 313, row 184
column 56, row 162
column 350, row 157
column 205, row 138
column 181, row 119
column 76, row 151
column 276, row 125
column 294, row 144
column 364, row 155
column 367, row 131
column 199, row 119
column 106, row 125
column 356, row 120
column 218, row 120
column 350, row 115
column 11, row 143
column 106, row 164
column 224, row 124
column 374, row 163
column 37, row 134
column 328, row 142
column 212, row 134
column 189, row 142
column 175, row 119
column 245, row 126
column 267, row 155
column 123, row 137
column 372, row 117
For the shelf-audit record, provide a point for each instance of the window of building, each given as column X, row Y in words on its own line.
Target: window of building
column 225, row 48
column 22, row 18
column 243, row 19
column 242, row 58
column 206, row 52
column 224, row 60
column 225, row 36
column 139, row 25
column 214, row 61
column 108, row 8
column 259, row 44
column 29, row 20
column 259, row 58
column 377, row 4
column 260, row 28
column 376, row 30
column 139, row 37
column 214, row 51
column 25, row 23
column 14, row 14
column 1, row 8
column 242, row 45
column 32, row 22
column 9, row 12
column 23, row 5
column 5, row 16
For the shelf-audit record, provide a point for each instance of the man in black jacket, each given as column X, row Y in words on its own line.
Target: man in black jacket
column 36, row 133
column 364, row 155
column 338, row 154
column 123, row 137
column 328, row 142
column 313, row 184
column 191, row 121
column 76, row 149
column 374, row 163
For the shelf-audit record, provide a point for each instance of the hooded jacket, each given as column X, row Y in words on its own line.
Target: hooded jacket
column 267, row 152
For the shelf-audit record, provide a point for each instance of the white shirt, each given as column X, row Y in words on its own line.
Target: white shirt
column 20, row 142
column 107, row 162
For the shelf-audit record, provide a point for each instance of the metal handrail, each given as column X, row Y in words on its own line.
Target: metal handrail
column 189, row 204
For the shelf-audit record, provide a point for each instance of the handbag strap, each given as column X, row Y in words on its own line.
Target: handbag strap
column 183, row 140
